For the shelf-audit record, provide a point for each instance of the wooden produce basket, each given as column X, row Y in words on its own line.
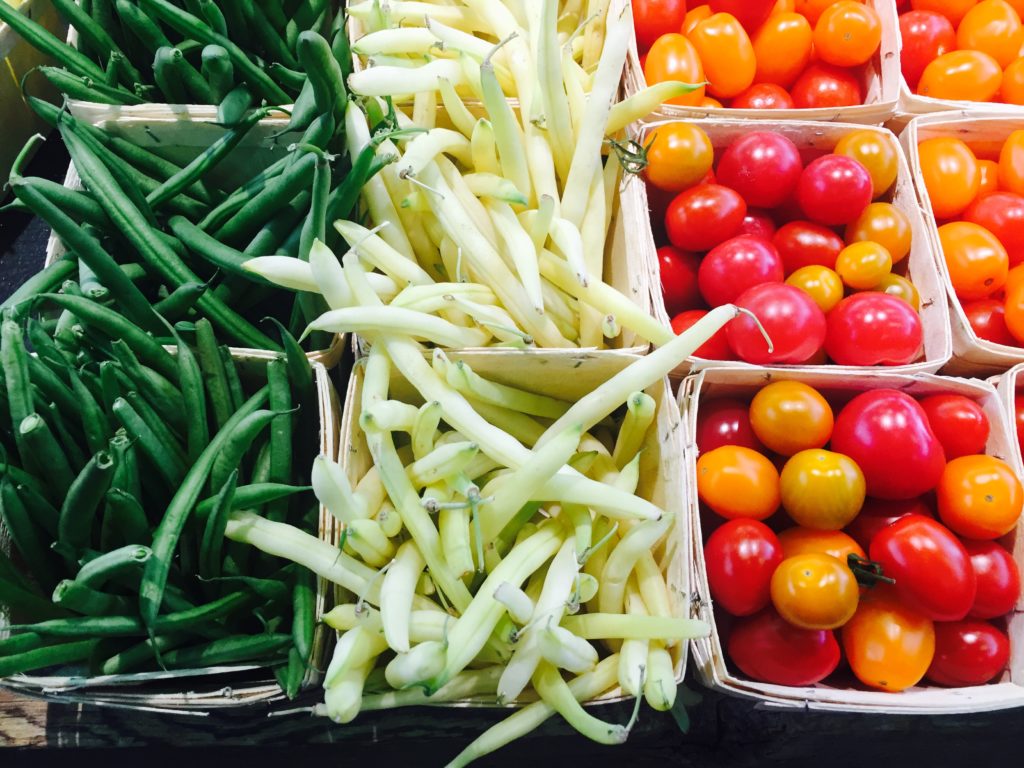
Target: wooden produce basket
column 713, row 666
column 195, row 691
column 820, row 138
column 567, row 376
column 1008, row 385
column 985, row 133
column 881, row 86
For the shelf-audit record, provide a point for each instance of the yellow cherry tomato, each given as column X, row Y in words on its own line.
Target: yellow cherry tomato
column 876, row 153
column 814, row 591
column 863, row 265
column 885, row 224
column 901, row 288
column 822, row 489
column 822, row 284
column 790, row 416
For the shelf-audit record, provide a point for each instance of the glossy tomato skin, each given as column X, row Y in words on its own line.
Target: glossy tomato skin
column 822, row 86
column 763, row 96
column 701, row 217
column 987, row 318
column 968, row 653
column 726, row 54
column 994, row 27
column 884, row 224
column 980, row 497
column 673, row 57
column 1002, row 214
column 975, row 259
column 802, row 541
column 804, row 243
column 814, row 591
column 783, row 47
column 715, row 348
column 794, row 323
column 736, row 265
column 932, row 569
column 737, row 482
column 886, row 432
column 958, row 422
column 679, row 279
column 1011, row 163
column 749, row 13
column 997, row 576
column 790, row 416
column 766, row 647
column 926, row 35
column 877, row 514
column 834, row 189
column 763, row 167
column 725, row 421
column 1018, row 411
column 847, row 33
column 873, row 328
column 950, row 173
column 757, row 224
column 654, row 18
column 740, row 557
column 821, row 489
column 962, row 76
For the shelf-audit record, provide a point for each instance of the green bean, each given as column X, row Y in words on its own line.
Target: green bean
column 42, row 40
column 272, row 234
column 45, row 280
column 273, row 589
column 51, row 385
column 237, row 648
column 344, row 196
column 163, row 433
column 14, row 361
column 191, row 377
column 234, row 382
column 214, row 375
column 281, row 447
column 26, row 536
column 124, row 519
column 234, row 202
column 39, row 508
column 209, row 248
column 303, row 609
column 78, row 512
column 180, row 301
column 300, row 372
column 87, row 601
column 217, row 67
column 96, row 572
column 26, row 641
column 115, row 70
column 87, row 89
column 214, row 16
column 213, row 532
column 45, row 455
column 285, row 77
column 168, row 76
column 234, row 105
column 315, row 226
column 290, row 676
column 275, row 13
column 270, row 39
column 27, row 604
column 323, row 70
column 95, row 424
column 237, row 20
column 238, row 443
column 73, row 202
column 49, row 656
column 303, row 17
column 158, row 391
column 110, row 383
column 137, row 657
column 87, row 279
column 303, row 110
column 41, row 340
column 258, row 209
column 94, row 35
column 160, row 454
column 76, row 456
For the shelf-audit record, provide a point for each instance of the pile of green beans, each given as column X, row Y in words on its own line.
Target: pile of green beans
column 225, row 52
column 121, row 462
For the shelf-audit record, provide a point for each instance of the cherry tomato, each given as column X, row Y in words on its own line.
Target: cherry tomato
column 763, row 96
column 873, row 329
column 1011, row 163
column 1002, row 214
column 757, row 224
column 888, row 645
column 790, row 416
column 1018, row 411
column 980, row 497
column 886, row 432
column 749, row 13
column 958, row 422
column 740, row 557
column 975, row 259
column 988, row 321
column 814, row 591
column 813, row 9
column 803, row 541
column 961, row 76
column 727, row 54
column 949, row 170
column 679, row 156
column 988, row 175
column 724, row 421
column 701, row 217
column 762, row 166
column 823, row 86
column 954, row 10
column 709, row 103
column 695, row 16
column 736, row 265
column 782, row 47
column 877, row 514
column 822, row 284
column 834, row 189
column 879, row 156
column 901, row 288
column 768, row 648
column 654, row 18
column 1013, row 308
column 847, row 34
column 821, row 489
column 738, row 482
column 997, row 576
column 884, row 224
column 994, row 27
column 1012, row 89
column 968, row 653
column 932, row 569
column 791, row 319
column 673, row 57
column 715, row 348
column 803, row 243
column 863, row 265
column 925, row 35
column 678, row 279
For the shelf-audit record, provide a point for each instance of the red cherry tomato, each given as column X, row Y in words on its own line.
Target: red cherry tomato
column 654, row 18
column 926, row 35
column 768, row 648
column 762, row 166
column 679, row 279
column 997, row 576
column 757, row 224
column 704, row 216
column 763, row 96
column 886, row 432
column 750, row 13
column 834, row 189
column 1002, row 214
column 794, row 323
column 968, row 653
column 736, row 265
column 804, row 243
column 715, row 348
column 877, row 514
column 932, row 569
column 823, row 86
column 958, row 422
column 873, row 328
column 1018, row 410
column 724, row 421
column 987, row 318
column 740, row 558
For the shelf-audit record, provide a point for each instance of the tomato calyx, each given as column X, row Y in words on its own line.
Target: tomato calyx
column 867, row 572
column 631, row 154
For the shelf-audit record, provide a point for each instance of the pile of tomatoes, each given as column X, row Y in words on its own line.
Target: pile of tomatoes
column 806, row 241
column 759, row 54
column 881, row 526
column 964, row 49
column 979, row 206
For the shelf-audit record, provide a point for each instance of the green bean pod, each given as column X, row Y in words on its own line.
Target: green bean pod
column 213, row 532
column 96, row 572
column 238, row 443
column 42, row 40
column 217, row 67
column 227, row 650
column 214, row 375
column 303, row 610
column 215, row 18
column 124, row 519
column 281, row 447
column 167, row 74
column 51, row 385
column 27, row 537
column 323, row 69
column 270, row 39
column 45, row 455
column 39, row 509
column 48, row 656
column 163, row 395
column 180, row 301
column 191, row 377
column 87, row 601
column 272, row 234
column 74, row 452
column 152, row 418
column 94, row 35
column 95, row 424
column 231, row 373
column 139, row 656
column 160, row 454
column 232, row 108
column 79, row 510
column 43, row 281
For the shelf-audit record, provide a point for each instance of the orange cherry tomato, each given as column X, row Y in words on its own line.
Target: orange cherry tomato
column 887, row 645
column 962, row 76
column 735, row 481
column 814, row 591
column 994, row 27
column 790, row 416
column 976, row 260
column 783, row 6
column 822, row 284
column 782, row 47
column 979, row 497
column 1013, row 304
column 954, row 10
column 727, row 54
column 988, row 171
column 806, row 541
column 679, row 156
column 950, row 173
column 884, row 224
column 812, row 9
column 673, row 57
column 863, row 265
column 876, row 153
column 822, row 489
column 1011, row 163
column 695, row 16
column 1012, row 90
column 901, row 288
column 709, row 103
column 847, row 34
